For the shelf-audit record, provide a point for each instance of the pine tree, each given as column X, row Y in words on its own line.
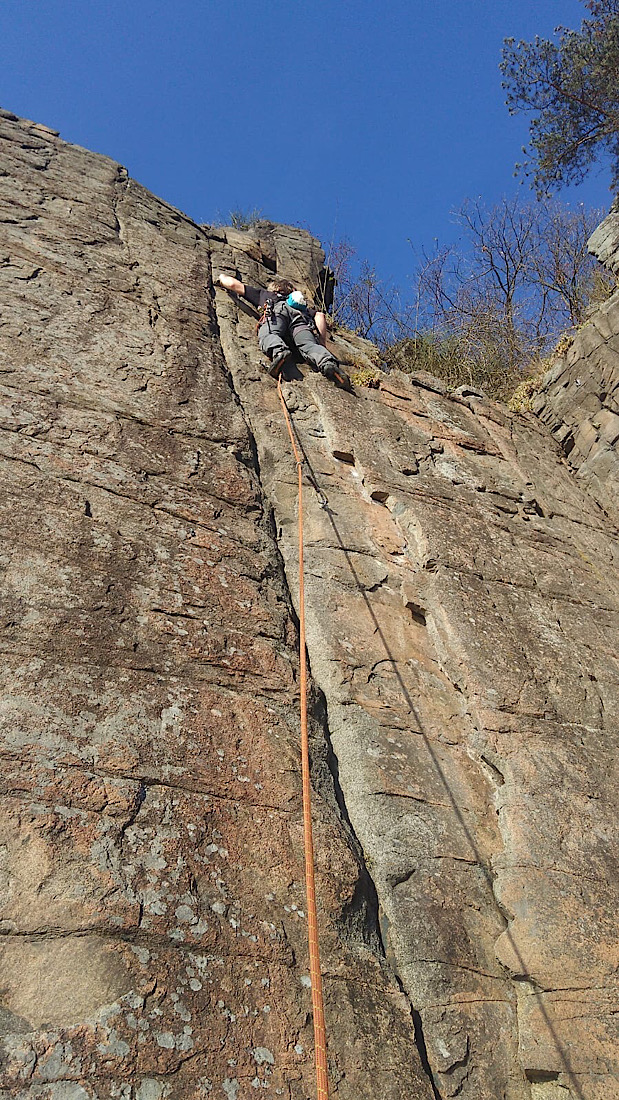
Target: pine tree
column 571, row 86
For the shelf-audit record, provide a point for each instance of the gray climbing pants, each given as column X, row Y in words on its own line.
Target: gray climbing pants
column 278, row 334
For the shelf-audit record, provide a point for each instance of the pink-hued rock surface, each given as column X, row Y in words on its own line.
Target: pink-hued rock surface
column 462, row 602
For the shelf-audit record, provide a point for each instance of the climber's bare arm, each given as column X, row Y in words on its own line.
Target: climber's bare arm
column 228, row 283
column 320, row 321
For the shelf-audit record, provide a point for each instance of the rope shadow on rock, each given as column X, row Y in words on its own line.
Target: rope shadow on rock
column 457, row 812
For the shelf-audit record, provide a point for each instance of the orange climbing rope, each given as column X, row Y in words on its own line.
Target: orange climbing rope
column 320, row 1037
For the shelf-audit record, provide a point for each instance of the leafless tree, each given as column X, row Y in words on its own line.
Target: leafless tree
column 365, row 303
column 566, row 276
column 482, row 310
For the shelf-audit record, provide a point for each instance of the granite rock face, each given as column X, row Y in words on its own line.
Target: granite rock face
column 580, row 398
column 604, row 242
column 462, row 605
column 152, row 871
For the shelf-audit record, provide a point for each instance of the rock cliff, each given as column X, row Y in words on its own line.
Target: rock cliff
column 462, row 602
column 580, row 398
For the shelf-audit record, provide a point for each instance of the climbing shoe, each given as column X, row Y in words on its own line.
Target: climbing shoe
column 338, row 375
column 278, row 362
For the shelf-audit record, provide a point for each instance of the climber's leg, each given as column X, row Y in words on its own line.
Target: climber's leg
column 273, row 344
column 314, row 352
column 271, row 338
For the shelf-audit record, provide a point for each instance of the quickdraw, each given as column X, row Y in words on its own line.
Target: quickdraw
column 265, row 314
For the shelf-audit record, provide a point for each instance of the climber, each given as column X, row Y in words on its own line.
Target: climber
column 285, row 319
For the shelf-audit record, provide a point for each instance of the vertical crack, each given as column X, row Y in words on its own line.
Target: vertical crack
column 421, row 1047
column 120, row 188
column 420, row 1042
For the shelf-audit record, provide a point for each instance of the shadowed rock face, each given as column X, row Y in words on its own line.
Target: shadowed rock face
column 462, row 605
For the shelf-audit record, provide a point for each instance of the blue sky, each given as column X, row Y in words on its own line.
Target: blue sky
column 365, row 120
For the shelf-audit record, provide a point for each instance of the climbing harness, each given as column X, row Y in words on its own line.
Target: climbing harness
column 265, row 314
column 267, row 311
column 295, row 314
column 320, row 1039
